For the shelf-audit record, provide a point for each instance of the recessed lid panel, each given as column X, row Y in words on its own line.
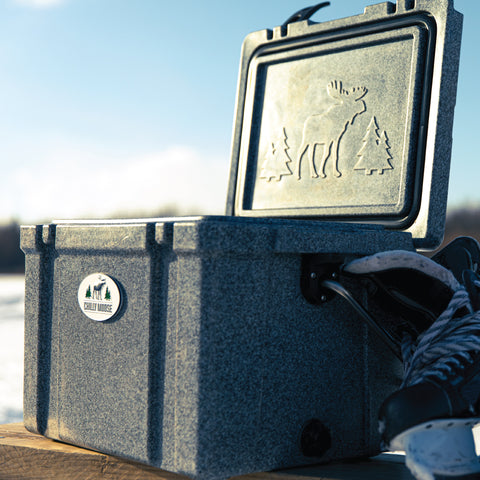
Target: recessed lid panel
column 330, row 131
column 336, row 120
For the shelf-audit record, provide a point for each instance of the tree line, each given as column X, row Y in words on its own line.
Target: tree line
column 11, row 257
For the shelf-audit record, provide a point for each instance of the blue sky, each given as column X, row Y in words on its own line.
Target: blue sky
column 126, row 106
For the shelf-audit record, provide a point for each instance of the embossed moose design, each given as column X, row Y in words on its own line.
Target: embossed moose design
column 97, row 289
column 327, row 128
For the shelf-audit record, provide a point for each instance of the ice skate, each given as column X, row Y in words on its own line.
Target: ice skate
column 440, row 449
column 409, row 289
column 432, row 415
column 459, row 255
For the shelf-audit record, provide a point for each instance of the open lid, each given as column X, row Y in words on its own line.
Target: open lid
column 350, row 120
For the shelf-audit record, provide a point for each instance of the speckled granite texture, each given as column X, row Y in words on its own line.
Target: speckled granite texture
column 350, row 119
column 216, row 361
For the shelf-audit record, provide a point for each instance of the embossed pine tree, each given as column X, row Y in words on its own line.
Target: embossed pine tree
column 276, row 164
column 88, row 293
column 374, row 154
column 107, row 294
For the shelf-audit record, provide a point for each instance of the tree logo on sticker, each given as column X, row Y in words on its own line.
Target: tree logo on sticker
column 99, row 297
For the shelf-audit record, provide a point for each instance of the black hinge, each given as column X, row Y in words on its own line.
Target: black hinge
column 321, row 280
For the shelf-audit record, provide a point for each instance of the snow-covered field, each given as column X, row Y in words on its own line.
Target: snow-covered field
column 11, row 347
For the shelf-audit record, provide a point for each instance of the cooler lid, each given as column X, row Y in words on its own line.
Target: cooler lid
column 350, row 120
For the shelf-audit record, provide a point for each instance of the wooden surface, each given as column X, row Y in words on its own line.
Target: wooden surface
column 26, row 456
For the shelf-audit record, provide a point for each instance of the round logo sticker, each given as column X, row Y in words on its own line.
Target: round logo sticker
column 99, row 297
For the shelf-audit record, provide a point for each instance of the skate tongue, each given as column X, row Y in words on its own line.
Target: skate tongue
column 402, row 260
column 408, row 285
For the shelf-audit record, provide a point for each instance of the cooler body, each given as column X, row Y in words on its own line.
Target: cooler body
column 213, row 364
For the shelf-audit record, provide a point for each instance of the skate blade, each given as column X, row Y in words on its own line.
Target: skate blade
column 442, row 447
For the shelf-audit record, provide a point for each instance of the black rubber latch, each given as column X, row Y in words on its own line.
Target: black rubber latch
column 305, row 13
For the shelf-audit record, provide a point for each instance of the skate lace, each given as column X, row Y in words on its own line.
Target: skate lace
column 448, row 344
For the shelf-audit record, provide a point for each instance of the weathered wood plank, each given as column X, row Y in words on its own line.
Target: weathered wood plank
column 26, row 456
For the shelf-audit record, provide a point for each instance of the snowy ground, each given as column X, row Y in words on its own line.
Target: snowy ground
column 11, row 347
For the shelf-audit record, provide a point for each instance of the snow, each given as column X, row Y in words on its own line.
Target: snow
column 11, row 348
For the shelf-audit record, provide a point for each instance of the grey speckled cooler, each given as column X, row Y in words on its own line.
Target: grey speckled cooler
column 186, row 343
column 215, row 362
